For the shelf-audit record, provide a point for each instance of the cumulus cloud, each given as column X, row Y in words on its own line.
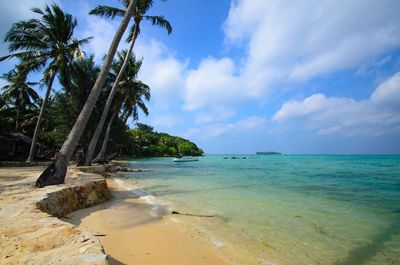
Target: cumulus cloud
column 162, row 71
column 302, row 40
column 13, row 11
column 378, row 115
column 102, row 31
column 288, row 42
column 211, row 83
column 282, row 43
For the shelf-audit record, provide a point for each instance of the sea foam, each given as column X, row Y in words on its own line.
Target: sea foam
column 158, row 207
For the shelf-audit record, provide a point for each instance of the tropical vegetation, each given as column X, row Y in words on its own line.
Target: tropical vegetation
column 147, row 142
column 106, row 11
column 86, row 97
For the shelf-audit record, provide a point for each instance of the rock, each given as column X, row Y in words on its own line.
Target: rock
column 30, row 236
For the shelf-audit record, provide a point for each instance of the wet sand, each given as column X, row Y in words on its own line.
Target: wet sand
column 131, row 234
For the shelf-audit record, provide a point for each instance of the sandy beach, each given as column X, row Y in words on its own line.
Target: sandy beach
column 131, row 234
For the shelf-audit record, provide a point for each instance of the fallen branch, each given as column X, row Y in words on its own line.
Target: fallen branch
column 189, row 214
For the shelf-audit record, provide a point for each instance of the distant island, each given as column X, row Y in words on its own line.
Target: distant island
column 268, row 153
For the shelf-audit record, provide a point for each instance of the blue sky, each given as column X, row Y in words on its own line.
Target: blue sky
column 240, row 76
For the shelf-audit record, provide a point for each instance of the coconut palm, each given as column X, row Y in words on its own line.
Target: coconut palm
column 55, row 173
column 129, row 94
column 139, row 15
column 46, row 43
column 4, row 116
column 18, row 91
column 133, row 101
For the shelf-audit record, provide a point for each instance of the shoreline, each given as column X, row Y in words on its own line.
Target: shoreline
column 131, row 234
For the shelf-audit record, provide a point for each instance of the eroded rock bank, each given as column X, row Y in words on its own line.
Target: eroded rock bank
column 31, row 233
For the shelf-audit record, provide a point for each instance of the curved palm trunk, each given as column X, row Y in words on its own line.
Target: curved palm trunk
column 55, row 173
column 126, row 117
column 14, row 146
column 100, row 125
column 32, row 152
column 102, row 154
column 17, row 116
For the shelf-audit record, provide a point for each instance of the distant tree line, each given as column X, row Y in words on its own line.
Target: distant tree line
column 147, row 142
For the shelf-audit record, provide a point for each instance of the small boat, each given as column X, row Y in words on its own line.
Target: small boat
column 185, row 159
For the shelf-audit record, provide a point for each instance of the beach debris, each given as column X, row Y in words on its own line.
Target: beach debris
column 189, row 214
column 99, row 234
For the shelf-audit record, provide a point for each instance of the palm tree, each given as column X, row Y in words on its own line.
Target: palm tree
column 129, row 94
column 18, row 91
column 106, row 11
column 4, row 115
column 133, row 101
column 46, row 43
column 55, row 173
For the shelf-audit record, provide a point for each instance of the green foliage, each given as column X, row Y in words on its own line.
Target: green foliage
column 46, row 44
column 147, row 142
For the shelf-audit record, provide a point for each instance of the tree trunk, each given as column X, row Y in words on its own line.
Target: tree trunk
column 100, row 125
column 55, row 173
column 17, row 116
column 32, row 152
column 126, row 117
column 102, row 154
column 14, row 146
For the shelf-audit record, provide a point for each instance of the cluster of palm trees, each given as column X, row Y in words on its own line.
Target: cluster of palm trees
column 47, row 45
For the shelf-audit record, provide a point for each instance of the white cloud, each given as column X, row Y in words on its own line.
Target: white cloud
column 162, row 71
column 289, row 42
column 166, row 121
column 102, row 31
column 378, row 115
column 13, row 11
column 213, row 83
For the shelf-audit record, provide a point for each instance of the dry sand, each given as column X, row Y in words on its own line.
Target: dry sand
column 130, row 234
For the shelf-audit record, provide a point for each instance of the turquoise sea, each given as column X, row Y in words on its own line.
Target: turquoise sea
column 286, row 209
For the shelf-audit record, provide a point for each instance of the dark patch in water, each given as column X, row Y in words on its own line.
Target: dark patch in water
column 365, row 253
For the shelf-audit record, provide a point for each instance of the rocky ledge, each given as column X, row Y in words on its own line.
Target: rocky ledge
column 31, row 233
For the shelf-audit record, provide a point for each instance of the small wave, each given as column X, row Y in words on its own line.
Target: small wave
column 158, row 207
column 217, row 243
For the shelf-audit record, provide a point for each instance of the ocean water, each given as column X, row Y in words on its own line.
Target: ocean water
column 286, row 209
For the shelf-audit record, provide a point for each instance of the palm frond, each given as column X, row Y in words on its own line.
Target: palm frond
column 107, row 11
column 160, row 21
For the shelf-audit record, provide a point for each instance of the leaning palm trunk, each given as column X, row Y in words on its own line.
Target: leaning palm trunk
column 14, row 146
column 32, row 151
column 100, row 125
column 102, row 154
column 55, row 173
column 127, row 115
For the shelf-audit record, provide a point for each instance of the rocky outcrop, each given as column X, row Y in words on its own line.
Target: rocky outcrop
column 69, row 199
column 30, row 233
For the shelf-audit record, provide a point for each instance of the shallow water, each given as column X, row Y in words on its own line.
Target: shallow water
column 288, row 209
